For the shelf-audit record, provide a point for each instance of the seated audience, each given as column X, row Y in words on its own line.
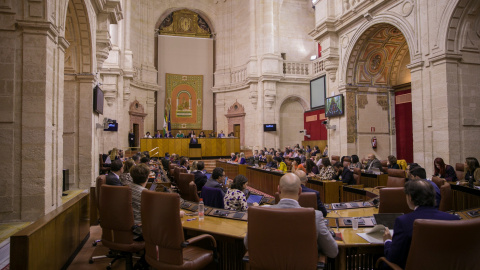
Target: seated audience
column 113, row 178
column 242, row 158
column 179, row 134
column 373, row 162
column 235, row 199
column 193, row 168
column 392, row 162
column 472, row 171
column 136, row 159
column 212, row 135
column 218, row 180
column 139, row 175
column 281, row 165
column 444, row 171
column 221, row 134
column 270, row 163
column 343, row 174
column 325, row 151
column 147, row 135
column 201, row 135
column 318, row 160
column 327, row 172
column 420, row 198
column 231, row 135
column 125, row 176
column 184, row 163
column 190, row 135
column 310, row 168
column 304, row 180
column 355, row 163
column 145, row 160
column 200, row 177
column 158, row 135
column 289, row 190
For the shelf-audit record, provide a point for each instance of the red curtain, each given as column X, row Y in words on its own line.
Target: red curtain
column 403, row 125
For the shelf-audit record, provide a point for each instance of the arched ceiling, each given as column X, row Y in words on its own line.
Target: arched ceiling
column 185, row 23
column 78, row 55
column 378, row 56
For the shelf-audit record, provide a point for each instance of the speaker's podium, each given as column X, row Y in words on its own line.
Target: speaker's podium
column 195, row 150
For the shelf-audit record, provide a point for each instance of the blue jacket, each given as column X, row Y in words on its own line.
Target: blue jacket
column 396, row 250
column 320, row 205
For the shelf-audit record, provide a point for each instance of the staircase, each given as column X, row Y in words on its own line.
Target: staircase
column 209, row 164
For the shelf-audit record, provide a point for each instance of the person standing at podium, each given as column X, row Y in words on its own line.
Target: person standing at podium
column 194, row 140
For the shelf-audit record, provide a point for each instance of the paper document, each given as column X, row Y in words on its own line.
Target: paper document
column 374, row 235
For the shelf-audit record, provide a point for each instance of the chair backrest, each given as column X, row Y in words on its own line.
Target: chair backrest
column 306, row 199
column 432, row 241
column 177, row 171
column 438, row 181
column 460, row 170
column 163, row 240
column 356, row 175
column 396, row 178
column 446, row 201
column 212, row 197
column 384, row 165
column 277, row 247
column 101, row 180
column 347, row 158
column 336, row 158
column 186, row 190
column 393, row 200
column 116, row 215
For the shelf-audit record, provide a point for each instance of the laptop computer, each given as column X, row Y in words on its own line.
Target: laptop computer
column 254, row 198
column 153, row 186
column 209, row 175
column 386, row 219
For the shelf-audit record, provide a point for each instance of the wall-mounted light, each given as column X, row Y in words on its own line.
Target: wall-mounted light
column 313, row 57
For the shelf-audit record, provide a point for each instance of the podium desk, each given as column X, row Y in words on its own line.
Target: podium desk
column 195, row 150
column 373, row 180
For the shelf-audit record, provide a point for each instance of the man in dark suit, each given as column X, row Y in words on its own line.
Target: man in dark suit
column 158, row 135
column 373, row 162
column 217, row 180
column 194, row 140
column 113, row 178
column 343, row 174
column 303, row 179
column 200, row 177
column 420, row 198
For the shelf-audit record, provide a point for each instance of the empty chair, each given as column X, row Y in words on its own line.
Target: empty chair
column 460, row 171
column 432, row 242
column 212, row 197
column 176, row 173
column 187, row 191
column 438, row 181
column 165, row 245
column 116, row 217
column 393, row 200
column 446, row 201
column 279, row 248
column 306, row 199
column 396, row 178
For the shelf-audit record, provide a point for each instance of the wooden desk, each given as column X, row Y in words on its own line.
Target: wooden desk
column 195, row 153
column 211, row 147
column 349, row 194
column 464, row 197
column 232, row 169
column 372, row 180
column 265, row 181
column 329, row 189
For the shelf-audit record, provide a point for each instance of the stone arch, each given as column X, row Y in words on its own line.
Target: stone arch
column 463, row 20
column 359, row 37
column 290, row 123
column 202, row 14
column 78, row 55
column 236, row 116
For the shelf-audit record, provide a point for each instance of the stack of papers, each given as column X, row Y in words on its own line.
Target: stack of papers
column 375, row 235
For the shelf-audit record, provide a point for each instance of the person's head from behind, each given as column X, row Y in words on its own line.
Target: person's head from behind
column 417, row 173
column 200, row 165
column 194, row 166
column 392, row 160
column 218, row 174
column 128, row 165
column 140, row 174
column 117, row 166
column 239, row 182
column 302, row 176
column 183, row 162
column 298, row 160
column 144, row 160
column 269, row 158
column 355, row 159
column 289, row 187
column 278, row 159
column 419, row 193
column 309, row 164
column 326, row 162
column 165, row 164
column 136, row 159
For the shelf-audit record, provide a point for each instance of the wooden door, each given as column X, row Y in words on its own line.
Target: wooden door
column 136, row 130
column 236, row 130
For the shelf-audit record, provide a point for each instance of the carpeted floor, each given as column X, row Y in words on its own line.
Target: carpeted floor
column 81, row 260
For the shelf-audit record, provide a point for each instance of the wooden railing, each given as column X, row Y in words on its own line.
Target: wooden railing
column 50, row 242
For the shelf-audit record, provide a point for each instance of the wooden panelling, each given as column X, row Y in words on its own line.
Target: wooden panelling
column 49, row 242
column 211, row 147
column 371, row 180
column 464, row 197
column 262, row 180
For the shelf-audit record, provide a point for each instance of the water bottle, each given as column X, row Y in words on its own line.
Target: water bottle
column 201, row 210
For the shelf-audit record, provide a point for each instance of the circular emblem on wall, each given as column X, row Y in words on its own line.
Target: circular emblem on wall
column 185, row 24
column 375, row 62
column 407, row 8
column 345, row 41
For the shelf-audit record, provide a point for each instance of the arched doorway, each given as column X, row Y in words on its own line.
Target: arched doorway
column 381, row 96
column 236, row 121
column 291, row 121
